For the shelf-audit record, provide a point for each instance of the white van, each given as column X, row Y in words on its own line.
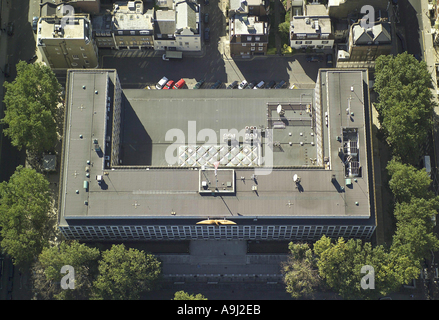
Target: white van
column 161, row 83
column 259, row 85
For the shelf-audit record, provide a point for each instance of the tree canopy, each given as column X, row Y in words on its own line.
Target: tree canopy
column 125, row 273
column 182, row 295
column 26, row 224
column 407, row 182
column 82, row 258
column 405, row 103
column 31, row 107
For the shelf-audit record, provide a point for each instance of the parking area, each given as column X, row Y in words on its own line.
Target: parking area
column 143, row 69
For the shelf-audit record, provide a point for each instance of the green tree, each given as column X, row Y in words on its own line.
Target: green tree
column 407, row 182
column 47, row 275
column 125, row 273
column 31, row 107
column 414, row 236
column 405, row 103
column 181, row 295
column 27, row 226
column 340, row 265
column 300, row 271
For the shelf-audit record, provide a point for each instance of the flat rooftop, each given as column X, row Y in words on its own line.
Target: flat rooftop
column 147, row 185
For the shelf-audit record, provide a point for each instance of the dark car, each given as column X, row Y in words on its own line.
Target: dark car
column 207, row 34
column 251, row 84
column 32, row 60
column 10, row 29
column 280, row 85
column 206, row 18
column 270, row 84
column 199, row 84
column 313, row 58
column 206, row 2
column 329, row 60
column 233, row 85
column 216, row 85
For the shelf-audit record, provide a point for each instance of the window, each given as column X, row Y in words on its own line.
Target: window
column 252, row 48
column 74, row 64
column 84, row 56
column 82, row 48
column 299, row 42
column 132, row 32
column 249, row 38
column 261, row 48
column 244, row 44
column 144, row 32
column 75, row 57
column 120, row 32
column 308, row 42
column 257, row 38
column 325, row 42
column 253, row 44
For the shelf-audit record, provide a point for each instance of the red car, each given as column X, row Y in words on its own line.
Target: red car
column 169, row 84
column 179, row 84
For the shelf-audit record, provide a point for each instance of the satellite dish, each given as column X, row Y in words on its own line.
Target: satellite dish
column 280, row 111
column 296, row 178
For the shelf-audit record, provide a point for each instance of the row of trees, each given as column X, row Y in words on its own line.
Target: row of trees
column 406, row 115
column 118, row 273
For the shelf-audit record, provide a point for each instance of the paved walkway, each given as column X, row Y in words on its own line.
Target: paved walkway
column 221, row 261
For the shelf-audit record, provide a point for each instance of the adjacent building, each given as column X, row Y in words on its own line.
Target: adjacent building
column 311, row 30
column 367, row 44
column 131, row 27
column 278, row 165
column 248, row 35
column 67, row 42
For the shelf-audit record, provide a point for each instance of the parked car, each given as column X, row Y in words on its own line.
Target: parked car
column 243, row 84
column 270, row 84
column 233, row 85
column 206, row 2
column 216, row 85
column 34, row 23
column 251, row 84
column 32, row 60
column 259, row 85
column 280, row 85
column 206, row 18
column 180, row 83
column 329, row 60
column 207, row 35
column 169, row 84
column 199, row 84
column 314, row 58
column 10, row 29
column 161, row 83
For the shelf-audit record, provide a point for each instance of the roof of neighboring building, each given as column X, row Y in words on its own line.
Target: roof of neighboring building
column 187, row 16
column 164, row 22
column 306, row 25
column 379, row 33
column 244, row 24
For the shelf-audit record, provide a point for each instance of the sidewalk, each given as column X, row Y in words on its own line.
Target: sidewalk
column 221, row 261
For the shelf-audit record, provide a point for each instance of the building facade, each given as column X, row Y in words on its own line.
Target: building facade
column 67, row 43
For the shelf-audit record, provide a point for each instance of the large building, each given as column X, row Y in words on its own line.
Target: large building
column 252, row 164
